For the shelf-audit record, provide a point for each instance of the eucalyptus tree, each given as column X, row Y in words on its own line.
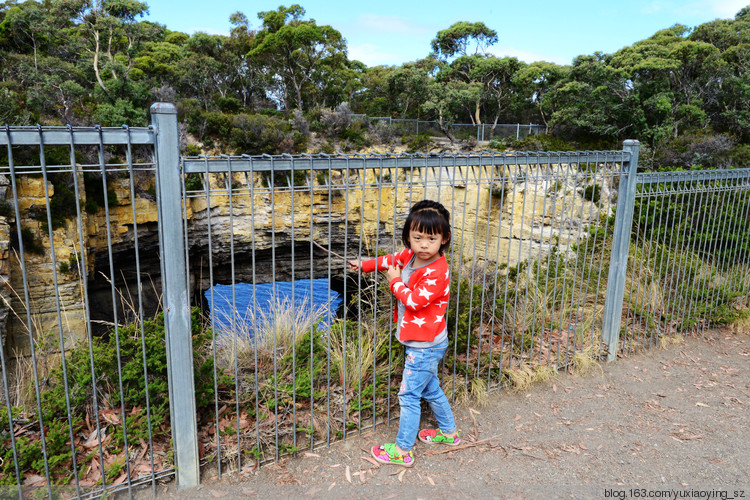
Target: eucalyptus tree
column 674, row 79
column 534, row 83
column 27, row 25
column 731, row 111
column 460, row 37
column 291, row 49
column 594, row 100
column 407, row 87
column 373, row 98
column 108, row 29
column 247, row 78
column 335, row 79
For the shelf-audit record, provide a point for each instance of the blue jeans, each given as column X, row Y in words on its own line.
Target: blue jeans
column 420, row 380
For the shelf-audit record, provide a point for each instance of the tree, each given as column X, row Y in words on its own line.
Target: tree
column 408, row 87
column 106, row 23
column 596, row 100
column 28, row 24
column 457, row 39
column 536, row 80
column 292, row 48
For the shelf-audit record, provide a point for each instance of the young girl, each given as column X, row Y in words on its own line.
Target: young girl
column 419, row 279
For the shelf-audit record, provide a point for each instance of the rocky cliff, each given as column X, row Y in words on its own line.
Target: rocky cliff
column 260, row 235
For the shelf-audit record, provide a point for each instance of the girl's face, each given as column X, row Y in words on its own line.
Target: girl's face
column 425, row 246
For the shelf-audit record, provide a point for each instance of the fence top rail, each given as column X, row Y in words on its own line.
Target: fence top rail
column 267, row 163
column 56, row 136
column 388, row 118
column 692, row 176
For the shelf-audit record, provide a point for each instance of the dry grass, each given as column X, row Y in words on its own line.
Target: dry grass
column 667, row 341
column 271, row 331
column 465, row 392
column 740, row 326
column 354, row 359
column 584, row 362
column 526, row 375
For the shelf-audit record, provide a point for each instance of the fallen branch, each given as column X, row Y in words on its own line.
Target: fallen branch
column 461, row 446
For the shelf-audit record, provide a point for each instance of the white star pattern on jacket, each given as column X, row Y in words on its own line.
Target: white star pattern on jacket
column 418, row 321
column 425, row 297
column 410, row 302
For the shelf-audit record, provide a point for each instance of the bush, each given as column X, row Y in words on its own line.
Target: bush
column 121, row 112
column 336, row 121
column 259, row 134
column 695, row 149
column 95, row 194
column 415, row 143
column 497, row 145
column 299, row 123
column 542, row 143
column 110, row 372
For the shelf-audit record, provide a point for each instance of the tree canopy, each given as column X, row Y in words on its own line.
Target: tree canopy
column 87, row 61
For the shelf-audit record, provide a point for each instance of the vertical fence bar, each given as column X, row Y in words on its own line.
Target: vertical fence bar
column 175, row 293
column 619, row 259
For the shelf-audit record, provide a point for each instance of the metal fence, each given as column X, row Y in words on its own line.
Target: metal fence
column 126, row 266
column 481, row 132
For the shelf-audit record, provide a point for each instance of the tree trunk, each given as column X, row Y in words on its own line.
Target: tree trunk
column 444, row 129
column 96, row 62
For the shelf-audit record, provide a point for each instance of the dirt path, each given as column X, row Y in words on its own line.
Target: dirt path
column 659, row 424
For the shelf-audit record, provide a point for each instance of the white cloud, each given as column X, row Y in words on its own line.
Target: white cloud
column 653, row 8
column 528, row 56
column 724, row 9
column 391, row 24
column 372, row 55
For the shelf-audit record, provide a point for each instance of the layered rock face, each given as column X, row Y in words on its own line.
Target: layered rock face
column 261, row 235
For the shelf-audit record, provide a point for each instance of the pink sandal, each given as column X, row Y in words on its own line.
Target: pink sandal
column 436, row 436
column 387, row 454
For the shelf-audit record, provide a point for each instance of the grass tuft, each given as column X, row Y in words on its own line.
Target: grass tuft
column 583, row 362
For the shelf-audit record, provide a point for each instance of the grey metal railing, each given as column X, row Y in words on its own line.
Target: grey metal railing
column 481, row 131
column 553, row 256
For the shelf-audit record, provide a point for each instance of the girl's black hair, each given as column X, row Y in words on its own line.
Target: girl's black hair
column 429, row 217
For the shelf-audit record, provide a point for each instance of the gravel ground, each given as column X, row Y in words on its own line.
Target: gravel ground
column 669, row 423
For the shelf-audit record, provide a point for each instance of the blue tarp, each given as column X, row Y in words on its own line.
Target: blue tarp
column 322, row 295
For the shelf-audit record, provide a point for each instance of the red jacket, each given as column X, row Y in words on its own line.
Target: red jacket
column 426, row 299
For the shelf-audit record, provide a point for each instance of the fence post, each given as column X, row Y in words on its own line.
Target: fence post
column 175, row 296
column 618, row 262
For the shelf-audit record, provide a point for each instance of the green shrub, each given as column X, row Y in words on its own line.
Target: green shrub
column 416, row 143
column 193, row 182
column 543, row 142
column 31, row 243
column 497, row 145
column 192, row 150
column 258, row 134
column 110, row 371
column 592, row 193
column 95, row 194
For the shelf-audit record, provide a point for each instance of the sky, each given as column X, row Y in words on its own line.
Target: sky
column 393, row 32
